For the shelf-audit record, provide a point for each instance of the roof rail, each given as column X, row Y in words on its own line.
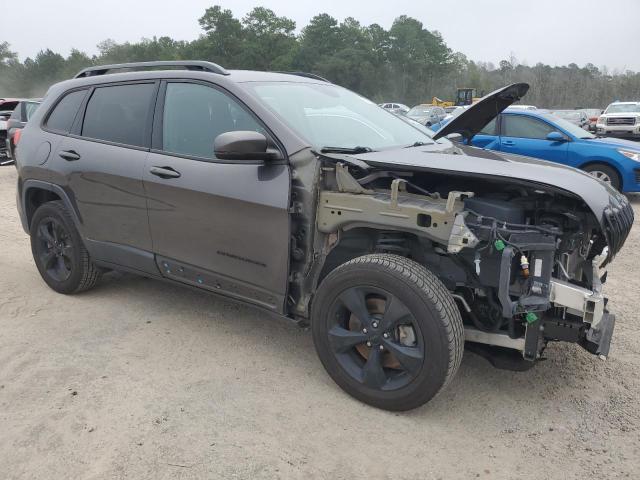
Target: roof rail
column 186, row 64
column 307, row 75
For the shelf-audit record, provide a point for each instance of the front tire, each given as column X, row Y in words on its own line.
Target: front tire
column 58, row 250
column 387, row 331
column 605, row 173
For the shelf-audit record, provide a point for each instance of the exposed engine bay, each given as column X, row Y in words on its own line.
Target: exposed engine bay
column 525, row 263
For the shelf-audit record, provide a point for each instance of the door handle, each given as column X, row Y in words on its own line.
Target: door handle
column 164, row 172
column 69, row 155
column 509, row 143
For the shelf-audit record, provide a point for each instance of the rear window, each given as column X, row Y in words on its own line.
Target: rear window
column 62, row 116
column 119, row 114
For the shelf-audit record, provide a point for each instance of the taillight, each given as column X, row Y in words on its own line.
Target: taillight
column 16, row 136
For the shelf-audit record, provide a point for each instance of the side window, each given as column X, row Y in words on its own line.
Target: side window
column 489, row 128
column 64, row 113
column 119, row 114
column 30, row 108
column 525, row 127
column 194, row 115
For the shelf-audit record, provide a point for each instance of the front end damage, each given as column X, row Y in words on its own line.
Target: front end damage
column 525, row 264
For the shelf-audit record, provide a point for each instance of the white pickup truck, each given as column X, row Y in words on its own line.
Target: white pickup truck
column 620, row 119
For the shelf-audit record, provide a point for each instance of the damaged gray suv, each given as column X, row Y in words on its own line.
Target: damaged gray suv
column 305, row 199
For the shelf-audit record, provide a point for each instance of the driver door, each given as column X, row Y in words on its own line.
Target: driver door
column 526, row 135
column 218, row 225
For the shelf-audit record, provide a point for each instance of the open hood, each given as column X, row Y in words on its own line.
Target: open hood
column 474, row 118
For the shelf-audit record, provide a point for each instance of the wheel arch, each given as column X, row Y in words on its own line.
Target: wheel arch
column 360, row 241
column 606, row 162
column 37, row 192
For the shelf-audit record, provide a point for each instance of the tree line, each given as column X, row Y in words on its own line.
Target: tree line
column 406, row 63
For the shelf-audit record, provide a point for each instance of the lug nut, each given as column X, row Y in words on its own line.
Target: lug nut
column 364, row 330
column 381, row 347
column 375, row 324
column 368, row 344
column 385, row 335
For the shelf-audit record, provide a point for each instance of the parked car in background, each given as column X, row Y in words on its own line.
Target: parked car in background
column 576, row 117
column 523, row 107
column 18, row 119
column 542, row 135
column 427, row 115
column 7, row 105
column 620, row 119
column 397, row 108
column 592, row 115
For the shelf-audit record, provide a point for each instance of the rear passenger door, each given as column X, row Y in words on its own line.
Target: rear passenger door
column 102, row 160
column 216, row 224
column 526, row 135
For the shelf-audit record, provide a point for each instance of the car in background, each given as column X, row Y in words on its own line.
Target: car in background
column 576, row 117
column 592, row 114
column 523, row 107
column 540, row 134
column 396, row 108
column 16, row 122
column 621, row 119
column 7, row 105
column 427, row 115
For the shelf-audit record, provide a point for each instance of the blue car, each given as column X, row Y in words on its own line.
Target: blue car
column 540, row 134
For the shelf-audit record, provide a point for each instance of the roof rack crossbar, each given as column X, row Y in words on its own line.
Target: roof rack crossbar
column 307, row 75
column 187, row 64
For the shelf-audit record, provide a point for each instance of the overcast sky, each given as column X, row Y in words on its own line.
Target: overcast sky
column 557, row 32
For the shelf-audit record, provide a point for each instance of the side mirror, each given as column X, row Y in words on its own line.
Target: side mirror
column 243, row 145
column 556, row 137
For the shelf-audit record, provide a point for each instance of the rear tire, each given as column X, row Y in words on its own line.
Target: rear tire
column 400, row 357
column 58, row 250
column 605, row 173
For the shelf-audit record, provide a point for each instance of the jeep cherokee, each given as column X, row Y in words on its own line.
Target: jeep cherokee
column 305, row 199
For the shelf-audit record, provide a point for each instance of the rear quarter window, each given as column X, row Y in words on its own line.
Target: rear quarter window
column 64, row 113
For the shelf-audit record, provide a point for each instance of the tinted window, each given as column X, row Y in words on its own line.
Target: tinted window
column 194, row 115
column 119, row 114
column 525, row 127
column 65, row 111
column 489, row 128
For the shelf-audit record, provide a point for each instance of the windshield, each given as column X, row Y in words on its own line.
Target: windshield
column 331, row 116
column 623, row 108
column 570, row 128
column 419, row 111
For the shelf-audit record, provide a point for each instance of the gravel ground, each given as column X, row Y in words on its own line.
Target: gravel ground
column 141, row 379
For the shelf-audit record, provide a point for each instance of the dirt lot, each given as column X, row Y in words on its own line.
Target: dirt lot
column 141, row 379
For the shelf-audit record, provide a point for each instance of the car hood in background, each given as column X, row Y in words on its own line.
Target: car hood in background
column 474, row 118
column 614, row 142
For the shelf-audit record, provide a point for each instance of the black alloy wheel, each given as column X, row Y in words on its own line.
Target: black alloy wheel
column 58, row 251
column 374, row 338
column 54, row 249
column 387, row 331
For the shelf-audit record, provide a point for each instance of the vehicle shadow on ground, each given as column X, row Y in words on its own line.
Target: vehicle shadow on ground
column 476, row 387
column 634, row 198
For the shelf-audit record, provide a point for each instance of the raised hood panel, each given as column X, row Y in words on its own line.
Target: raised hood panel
column 474, row 118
